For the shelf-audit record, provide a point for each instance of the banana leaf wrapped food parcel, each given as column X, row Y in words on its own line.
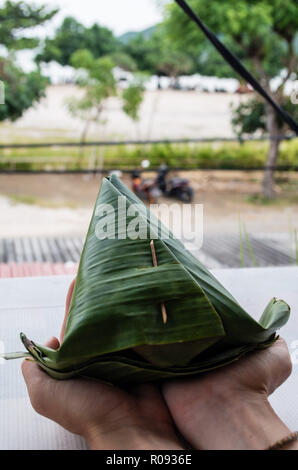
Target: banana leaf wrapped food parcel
column 145, row 309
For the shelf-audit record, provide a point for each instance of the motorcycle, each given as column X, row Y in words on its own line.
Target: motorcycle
column 178, row 188
column 145, row 189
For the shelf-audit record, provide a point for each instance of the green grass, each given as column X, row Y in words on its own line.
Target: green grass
column 259, row 200
column 35, row 201
column 244, row 237
column 201, row 156
column 249, row 247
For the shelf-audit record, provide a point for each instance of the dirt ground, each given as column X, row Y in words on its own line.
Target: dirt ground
column 39, row 205
column 164, row 114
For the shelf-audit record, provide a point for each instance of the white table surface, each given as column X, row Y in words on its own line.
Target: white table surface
column 36, row 307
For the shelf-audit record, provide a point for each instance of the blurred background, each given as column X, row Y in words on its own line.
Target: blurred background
column 134, row 87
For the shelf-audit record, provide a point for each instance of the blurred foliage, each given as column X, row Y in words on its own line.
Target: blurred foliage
column 263, row 34
column 217, row 156
column 259, row 29
column 250, row 116
column 133, row 97
column 142, row 51
column 152, row 53
column 72, row 36
column 96, row 78
column 184, row 156
column 22, row 89
column 124, row 61
column 157, row 55
column 260, row 32
column 18, row 17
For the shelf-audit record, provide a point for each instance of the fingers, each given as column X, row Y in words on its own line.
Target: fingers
column 264, row 370
column 279, row 363
column 68, row 301
column 40, row 386
column 53, row 343
column 59, row 401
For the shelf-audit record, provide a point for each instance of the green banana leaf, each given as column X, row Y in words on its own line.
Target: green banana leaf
column 115, row 329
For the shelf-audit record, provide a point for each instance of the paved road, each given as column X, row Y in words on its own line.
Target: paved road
column 218, row 251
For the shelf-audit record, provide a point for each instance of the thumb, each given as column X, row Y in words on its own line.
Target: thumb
column 40, row 386
column 31, row 370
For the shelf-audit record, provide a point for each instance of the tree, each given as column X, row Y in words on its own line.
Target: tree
column 265, row 31
column 133, row 97
column 167, row 59
column 250, row 116
column 124, row 61
column 72, row 36
column 157, row 55
column 97, row 80
column 21, row 90
column 141, row 50
column 173, row 64
column 16, row 18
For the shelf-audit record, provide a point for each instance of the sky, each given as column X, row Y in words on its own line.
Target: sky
column 119, row 15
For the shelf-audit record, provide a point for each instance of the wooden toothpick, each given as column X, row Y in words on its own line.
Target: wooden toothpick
column 153, row 254
column 155, row 264
column 164, row 313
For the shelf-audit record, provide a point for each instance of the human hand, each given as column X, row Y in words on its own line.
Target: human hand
column 229, row 408
column 108, row 417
